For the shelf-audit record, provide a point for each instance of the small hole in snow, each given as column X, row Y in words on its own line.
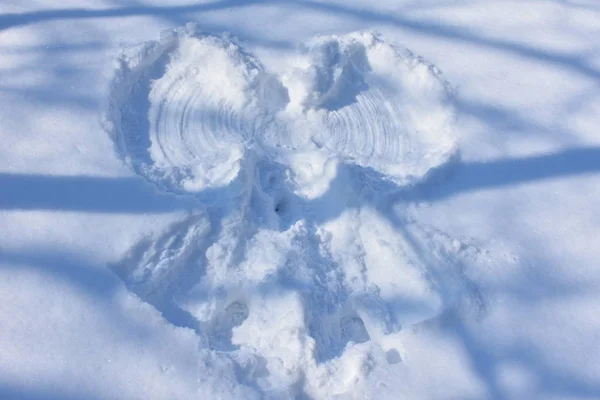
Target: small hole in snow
column 280, row 206
column 392, row 356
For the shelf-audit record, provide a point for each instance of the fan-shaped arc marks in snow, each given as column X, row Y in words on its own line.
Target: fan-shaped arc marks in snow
column 186, row 112
column 182, row 109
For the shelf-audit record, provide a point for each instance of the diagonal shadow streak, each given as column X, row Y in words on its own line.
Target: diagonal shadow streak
column 476, row 176
column 86, row 194
column 10, row 390
column 446, row 31
column 95, row 283
column 134, row 195
column 425, row 27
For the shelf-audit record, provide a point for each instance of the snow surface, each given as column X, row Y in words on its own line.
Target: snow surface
column 245, row 199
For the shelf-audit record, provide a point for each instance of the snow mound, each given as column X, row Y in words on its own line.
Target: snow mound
column 186, row 111
column 300, row 268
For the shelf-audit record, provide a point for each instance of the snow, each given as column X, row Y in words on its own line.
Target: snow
column 351, row 100
column 304, row 199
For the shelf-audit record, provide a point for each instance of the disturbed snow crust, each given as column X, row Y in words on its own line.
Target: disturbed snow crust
column 300, row 268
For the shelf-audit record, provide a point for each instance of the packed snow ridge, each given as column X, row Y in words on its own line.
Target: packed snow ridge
column 300, row 269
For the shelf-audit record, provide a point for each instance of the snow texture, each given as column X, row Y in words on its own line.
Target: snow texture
column 190, row 112
column 276, row 202
column 298, row 268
